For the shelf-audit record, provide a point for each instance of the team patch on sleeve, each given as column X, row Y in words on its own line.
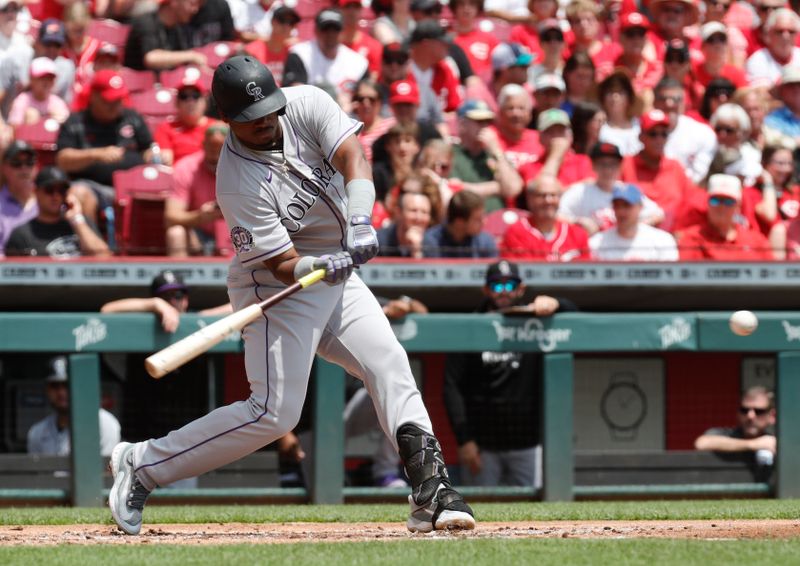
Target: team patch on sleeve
column 242, row 239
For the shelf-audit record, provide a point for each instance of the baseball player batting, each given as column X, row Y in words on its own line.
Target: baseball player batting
column 297, row 194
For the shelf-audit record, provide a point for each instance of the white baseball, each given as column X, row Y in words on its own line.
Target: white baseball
column 743, row 323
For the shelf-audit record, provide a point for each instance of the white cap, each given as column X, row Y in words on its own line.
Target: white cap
column 725, row 186
column 42, row 66
column 549, row 80
column 710, row 28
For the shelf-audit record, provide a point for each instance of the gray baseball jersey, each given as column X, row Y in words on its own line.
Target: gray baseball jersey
column 273, row 201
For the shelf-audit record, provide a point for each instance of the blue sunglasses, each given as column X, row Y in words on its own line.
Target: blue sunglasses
column 507, row 286
column 722, row 201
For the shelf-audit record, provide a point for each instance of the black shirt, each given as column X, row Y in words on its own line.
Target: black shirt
column 37, row 238
column 149, row 33
column 213, row 22
column 82, row 131
column 494, row 398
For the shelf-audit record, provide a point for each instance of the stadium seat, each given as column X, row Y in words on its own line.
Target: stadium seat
column 218, row 51
column 174, row 78
column 110, row 31
column 497, row 222
column 139, row 209
column 138, row 81
column 156, row 102
column 42, row 136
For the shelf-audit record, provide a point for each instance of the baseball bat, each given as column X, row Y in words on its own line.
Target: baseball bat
column 174, row 356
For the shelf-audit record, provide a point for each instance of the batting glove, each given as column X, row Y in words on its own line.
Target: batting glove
column 362, row 240
column 338, row 267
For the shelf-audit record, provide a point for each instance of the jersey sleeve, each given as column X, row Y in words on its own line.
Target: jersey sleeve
column 255, row 227
column 327, row 122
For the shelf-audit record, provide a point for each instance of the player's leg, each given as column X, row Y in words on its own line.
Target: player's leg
column 360, row 339
column 279, row 350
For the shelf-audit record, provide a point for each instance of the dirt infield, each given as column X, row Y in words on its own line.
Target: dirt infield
column 273, row 533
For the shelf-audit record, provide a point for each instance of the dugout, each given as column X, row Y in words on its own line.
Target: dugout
column 568, row 343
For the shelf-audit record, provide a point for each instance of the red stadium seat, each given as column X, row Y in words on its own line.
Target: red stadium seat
column 156, row 102
column 110, row 31
column 174, row 78
column 498, row 221
column 139, row 209
column 218, row 51
column 42, row 136
column 138, row 81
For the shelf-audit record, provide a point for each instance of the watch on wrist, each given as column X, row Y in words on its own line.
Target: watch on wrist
column 360, row 219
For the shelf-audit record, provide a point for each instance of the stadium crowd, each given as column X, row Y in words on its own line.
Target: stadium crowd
column 552, row 130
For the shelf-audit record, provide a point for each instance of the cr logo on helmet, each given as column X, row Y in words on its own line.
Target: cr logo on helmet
column 254, row 91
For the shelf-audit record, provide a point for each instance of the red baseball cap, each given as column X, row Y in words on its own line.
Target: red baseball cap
column 404, row 91
column 650, row 120
column 192, row 78
column 110, row 85
column 634, row 20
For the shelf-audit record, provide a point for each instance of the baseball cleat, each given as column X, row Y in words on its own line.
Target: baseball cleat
column 127, row 496
column 446, row 511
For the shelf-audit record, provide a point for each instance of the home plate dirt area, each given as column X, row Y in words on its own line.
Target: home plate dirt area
column 287, row 533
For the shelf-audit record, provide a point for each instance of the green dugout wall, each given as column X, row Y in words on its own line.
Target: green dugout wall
column 86, row 335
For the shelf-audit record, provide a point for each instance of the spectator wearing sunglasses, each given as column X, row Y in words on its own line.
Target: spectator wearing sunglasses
column 17, row 201
column 716, row 54
column 670, row 18
column 754, row 432
column 764, row 67
column 169, row 298
column 727, row 12
column 721, row 236
column 273, row 48
column 324, row 61
column 493, row 399
column 60, row 230
column 689, row 142
column 637, row 57
column 660, row 178
column 734, row 156
column 183, row 135
column 551, row 43
column 754, row 28
column 786, row 118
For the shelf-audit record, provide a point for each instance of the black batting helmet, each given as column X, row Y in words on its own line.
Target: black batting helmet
column 245, row 90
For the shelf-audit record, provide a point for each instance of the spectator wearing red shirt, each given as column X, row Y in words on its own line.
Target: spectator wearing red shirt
column 191, row 211
column 515, row 110
column 274, row 50
column 583, row 19
column 726, row 12
column 637, row 55
column 183, row 135
column 80, row 47
column 440, row 91
column 477, row 44
column 527, row 34
column 670, row 17
column 719, row 237
column 559, row 159
column 540, row 235
column 105, row 58
column 660, row 178
column 360, row 42
column 716, row 55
